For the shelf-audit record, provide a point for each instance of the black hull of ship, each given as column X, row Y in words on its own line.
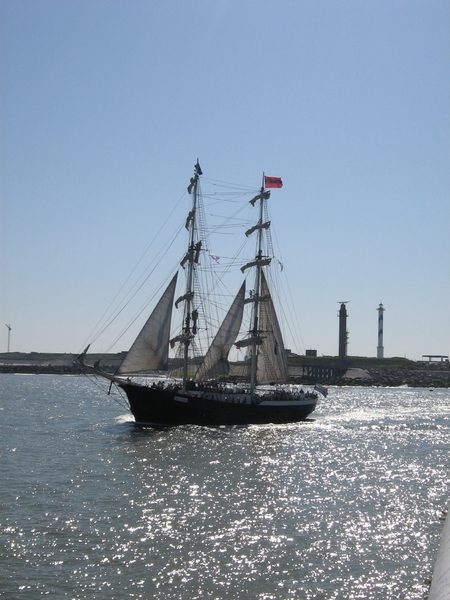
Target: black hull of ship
column 154, row 407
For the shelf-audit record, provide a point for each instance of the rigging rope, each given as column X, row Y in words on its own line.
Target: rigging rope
column 103, row 323
column 229, row 193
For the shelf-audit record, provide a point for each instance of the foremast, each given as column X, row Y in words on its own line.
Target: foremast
column 215, row 361
column 190, row 260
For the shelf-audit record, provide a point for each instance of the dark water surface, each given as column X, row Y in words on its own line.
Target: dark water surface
column 347, row 505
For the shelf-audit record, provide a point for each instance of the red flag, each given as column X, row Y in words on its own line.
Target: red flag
column 273, row 182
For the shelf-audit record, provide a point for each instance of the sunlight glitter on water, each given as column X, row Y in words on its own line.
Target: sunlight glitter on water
column 344, row 506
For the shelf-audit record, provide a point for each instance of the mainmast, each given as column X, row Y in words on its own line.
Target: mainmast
column 256, row 339
column 260, row 293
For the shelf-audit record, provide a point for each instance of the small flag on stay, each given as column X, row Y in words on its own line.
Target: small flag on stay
column 280, row 264
column 321, row 389
column 272, row 182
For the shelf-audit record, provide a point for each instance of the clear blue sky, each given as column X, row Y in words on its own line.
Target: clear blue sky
column 107, row 104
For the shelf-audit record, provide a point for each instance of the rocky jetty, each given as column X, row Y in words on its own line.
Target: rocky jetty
column 52, row 364
column 355, row 371
column 360, row 371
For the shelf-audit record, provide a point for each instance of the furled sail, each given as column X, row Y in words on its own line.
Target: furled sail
column 261, row 196
column 256, row 227
column 216, row 359
column 258, row 262
column 272, row 365
column 150, row 350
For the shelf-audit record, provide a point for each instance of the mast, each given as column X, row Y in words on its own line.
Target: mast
column 264, row 325
column 192, row 258
column 257, row 291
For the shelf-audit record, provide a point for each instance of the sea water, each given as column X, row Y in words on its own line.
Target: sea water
column 346, row 505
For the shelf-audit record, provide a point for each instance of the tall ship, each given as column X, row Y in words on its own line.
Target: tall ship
column 175, row 377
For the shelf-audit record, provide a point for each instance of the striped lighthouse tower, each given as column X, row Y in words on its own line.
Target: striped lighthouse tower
column 380, row 349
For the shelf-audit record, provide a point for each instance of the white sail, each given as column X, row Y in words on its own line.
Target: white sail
column 271, row 364
column 150, row 350
column 215, row 361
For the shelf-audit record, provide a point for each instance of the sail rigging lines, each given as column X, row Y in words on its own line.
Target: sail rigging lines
column 229, row 185
column 287, row 309
column 135, row 317
column 113, row 311
column 218, row 279
column 124, row 303
column 179, row 370
column 228, row 192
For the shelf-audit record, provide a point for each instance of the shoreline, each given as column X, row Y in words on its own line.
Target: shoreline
column 357, row 377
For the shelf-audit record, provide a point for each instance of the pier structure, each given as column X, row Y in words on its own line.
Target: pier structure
column 380, row 348
column 440, row 583
column 323, row 372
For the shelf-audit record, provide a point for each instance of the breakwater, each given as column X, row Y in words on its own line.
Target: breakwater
column 353, row 372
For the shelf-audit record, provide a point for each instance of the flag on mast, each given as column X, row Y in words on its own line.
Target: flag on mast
column 272, row 182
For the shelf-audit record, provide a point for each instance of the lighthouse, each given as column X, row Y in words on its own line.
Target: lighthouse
column 343, row 333
column 380, row 349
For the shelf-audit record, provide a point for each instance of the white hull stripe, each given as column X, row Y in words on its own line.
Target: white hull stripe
column 286, row 402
